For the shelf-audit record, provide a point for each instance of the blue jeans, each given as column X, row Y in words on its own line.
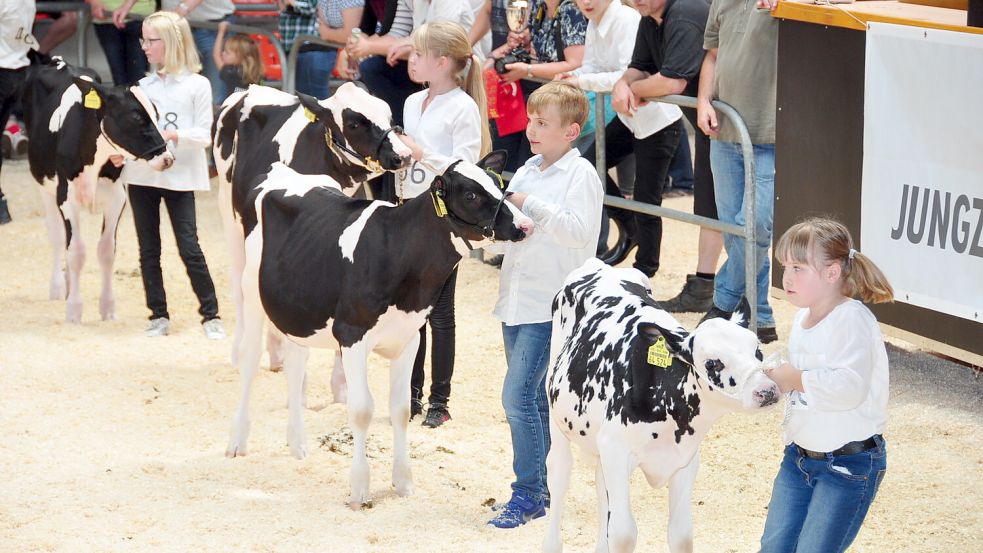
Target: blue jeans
column 527, row 352
column 127, row 63
column 681, row 167
column 727, row 163
column 205, row 42
column 314, row 71
column 815, row 506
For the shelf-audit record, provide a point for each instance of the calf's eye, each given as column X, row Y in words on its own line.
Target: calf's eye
column 470, row 196
column 714, row 365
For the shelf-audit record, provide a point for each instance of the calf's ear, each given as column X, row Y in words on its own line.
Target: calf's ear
column 311, row 104
column 93, row 94
column 494, row 161
column 742, row 313
column 678, row 342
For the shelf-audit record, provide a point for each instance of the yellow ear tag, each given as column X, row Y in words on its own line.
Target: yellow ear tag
column 92, row 100
column 659, row 354
column 309, row 115
column 438, row 205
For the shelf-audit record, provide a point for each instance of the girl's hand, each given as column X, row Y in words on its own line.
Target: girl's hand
column 416, row 149
column 223, row 26
column 786, row 376
column 515, row 72
column 568, row 78
column 117, row 160
column 170, row 135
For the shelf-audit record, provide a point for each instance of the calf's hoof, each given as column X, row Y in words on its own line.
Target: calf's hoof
column 107, row 310
column 73, row 312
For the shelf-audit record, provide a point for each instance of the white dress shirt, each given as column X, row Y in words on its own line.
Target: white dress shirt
column 16, row 20
column 184, row 104
column 845, row 378
column 207, row 10
column 607, row 52
column 458, row 11
column 565, row 203
column 450, row 129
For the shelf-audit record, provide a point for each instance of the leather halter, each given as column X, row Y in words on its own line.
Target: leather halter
column 486, row 230
column 369, row 162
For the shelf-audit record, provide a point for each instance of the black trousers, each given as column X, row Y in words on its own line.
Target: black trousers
column 442, row 329
column 145, row 201
column 11, row 82
column 653, row 155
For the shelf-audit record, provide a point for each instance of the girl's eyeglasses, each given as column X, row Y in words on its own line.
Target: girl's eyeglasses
column 147, row 42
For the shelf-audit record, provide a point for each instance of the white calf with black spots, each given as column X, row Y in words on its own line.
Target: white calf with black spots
column 633, row 389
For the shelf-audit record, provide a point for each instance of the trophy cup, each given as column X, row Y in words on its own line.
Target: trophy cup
column 517, row 16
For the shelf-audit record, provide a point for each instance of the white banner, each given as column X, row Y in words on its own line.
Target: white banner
column 922, row 210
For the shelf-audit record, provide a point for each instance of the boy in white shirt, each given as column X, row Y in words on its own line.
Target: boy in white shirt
column 561, row 193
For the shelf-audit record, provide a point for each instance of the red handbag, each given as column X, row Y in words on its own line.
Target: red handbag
column 506, row 104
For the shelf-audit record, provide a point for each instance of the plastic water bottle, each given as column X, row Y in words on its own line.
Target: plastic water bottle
column 353, row 62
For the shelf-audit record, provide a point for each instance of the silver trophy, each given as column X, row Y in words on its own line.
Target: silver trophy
column 517, row 16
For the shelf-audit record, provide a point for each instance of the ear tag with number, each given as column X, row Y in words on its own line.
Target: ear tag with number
column 309, row 115
column 658, row 353
column 92, row 100
column 438, row 205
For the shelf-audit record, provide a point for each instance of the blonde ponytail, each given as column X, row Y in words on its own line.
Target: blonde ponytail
column 474, row 85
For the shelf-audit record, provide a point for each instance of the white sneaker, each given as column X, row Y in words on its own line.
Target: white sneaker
column 158, row 327
column 214, row 329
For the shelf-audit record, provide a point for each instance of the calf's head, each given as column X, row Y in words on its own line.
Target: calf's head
column 360, row 127
column 128, row 121
column 472, row 198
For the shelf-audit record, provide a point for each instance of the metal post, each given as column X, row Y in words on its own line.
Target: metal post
column 600, row 140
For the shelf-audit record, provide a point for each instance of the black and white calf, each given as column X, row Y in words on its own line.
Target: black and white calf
column 75, row 124
column 334, row 272
column 348, row 137
column 633, row 389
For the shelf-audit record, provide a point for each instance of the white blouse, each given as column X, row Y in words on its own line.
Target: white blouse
column 184, row 104
column 845, row 378
column 449, row 129
column 16, row 20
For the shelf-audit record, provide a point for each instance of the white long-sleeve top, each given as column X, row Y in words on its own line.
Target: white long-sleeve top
column 607, row 52
column 184, row 104
column 449, row 129
column 458, row 11
column 565, row 203
column 845, row 378
column 16, row 20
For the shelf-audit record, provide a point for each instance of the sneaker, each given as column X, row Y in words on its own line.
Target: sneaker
column 518, row 511
column 767, row 334
column 697, row 296
column 437, row 415
column 416, row 408
column 160, row 326
column 214, row 329
column 4, row 214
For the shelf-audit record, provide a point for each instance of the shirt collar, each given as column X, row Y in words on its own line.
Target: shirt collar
column 155, row 76
column 561, row 164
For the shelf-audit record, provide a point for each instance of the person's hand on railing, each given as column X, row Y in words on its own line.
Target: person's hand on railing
column 624, row 100
column 120, row 13
column 706, row 118
column 97, row 9
column 769, row 5
column 568, row 78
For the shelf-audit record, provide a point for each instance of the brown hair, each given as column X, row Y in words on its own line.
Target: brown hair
column 570, row 102
column 820, row 242
column 250, row 63
column 448, row 39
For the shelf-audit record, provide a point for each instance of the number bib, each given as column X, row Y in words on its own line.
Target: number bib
column 414, row 181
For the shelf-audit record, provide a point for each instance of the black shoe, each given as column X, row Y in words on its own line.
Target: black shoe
column 437, row 415
column 416, row 408
column 767, row 334
column 715, row 313
column 697, row 296
column 4, row 214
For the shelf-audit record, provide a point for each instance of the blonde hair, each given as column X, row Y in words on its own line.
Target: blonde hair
column 250, row 63
column 820, row 242
column 180, row 53
column 448, row 39
column 569, row 101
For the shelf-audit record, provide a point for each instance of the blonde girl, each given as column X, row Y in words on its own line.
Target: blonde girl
column 445, row 122
column 237, row 59
column 184, row 104
column 837, row 385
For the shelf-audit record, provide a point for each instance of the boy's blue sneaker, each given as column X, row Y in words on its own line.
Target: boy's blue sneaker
column 518, row 511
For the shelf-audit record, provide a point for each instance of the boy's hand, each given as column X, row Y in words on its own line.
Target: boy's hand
column 517, row 199
column 787, row 377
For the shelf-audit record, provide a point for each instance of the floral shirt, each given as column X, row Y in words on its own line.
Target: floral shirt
column 542, row 25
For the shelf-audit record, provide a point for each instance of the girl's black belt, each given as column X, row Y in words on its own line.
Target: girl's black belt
column 851, row 448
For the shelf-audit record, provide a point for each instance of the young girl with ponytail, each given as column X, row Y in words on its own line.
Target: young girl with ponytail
column 445, row 122
column 836, row 382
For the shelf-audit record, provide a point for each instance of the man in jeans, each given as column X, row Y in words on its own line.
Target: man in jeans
column 741, row 69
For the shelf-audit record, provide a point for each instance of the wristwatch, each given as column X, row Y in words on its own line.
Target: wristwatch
column 529, row 70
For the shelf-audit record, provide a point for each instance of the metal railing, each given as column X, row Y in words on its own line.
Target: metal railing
column 83, row 22
column 290, row 81
column 748, row 231
column 250, row 30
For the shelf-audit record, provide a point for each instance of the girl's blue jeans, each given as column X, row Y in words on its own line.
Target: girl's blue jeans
column 527, row 351
column 818, row 505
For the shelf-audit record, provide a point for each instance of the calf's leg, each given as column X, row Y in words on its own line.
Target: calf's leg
column 680, row 533
column 76, row 259
column 295, row 362
column 55, row 222
column 339, row 388
column 400, row 370
column 113, row 200
column 559, row 463
column 621, row 528
column 249, row 355
column 360, row 407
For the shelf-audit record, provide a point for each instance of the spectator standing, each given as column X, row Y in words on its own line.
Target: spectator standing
column 314, row 62
column 121, row 41
column 16, row 20
column 425, row 11
column 741, row 69
column 62, row 27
